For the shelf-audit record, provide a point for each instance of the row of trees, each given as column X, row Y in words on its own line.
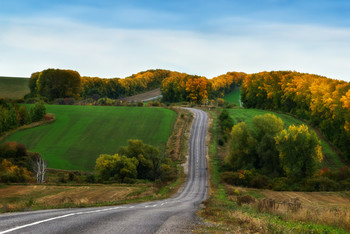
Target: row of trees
column 323, row 102
column 135, row 161
column 224, row 84
column 58, row 83
column 183, row 87
column 13, row 116
column 265, row 155
column 175, row 86
column 274, row 151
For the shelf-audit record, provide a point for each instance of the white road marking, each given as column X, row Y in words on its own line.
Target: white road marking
column 151, row 206
column 58, row 217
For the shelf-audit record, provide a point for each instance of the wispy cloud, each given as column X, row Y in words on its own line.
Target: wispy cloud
column 33, row 44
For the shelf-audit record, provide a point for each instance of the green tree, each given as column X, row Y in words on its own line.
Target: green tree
column 126, row 168
column 37, row 112
column 24, row 117
column 115, row 167
column 56, row 83
column 225, row 121
column 299, row 151
column 148, row 157
column 242, row 153
column 265, row 128
column 33, row 83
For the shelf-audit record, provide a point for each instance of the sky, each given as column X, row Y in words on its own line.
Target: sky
column 106, row 38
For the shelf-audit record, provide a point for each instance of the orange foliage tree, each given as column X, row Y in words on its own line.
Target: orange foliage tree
column 322, row 101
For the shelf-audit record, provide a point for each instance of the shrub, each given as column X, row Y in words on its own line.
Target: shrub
column 260, row 181
column 71, row 176
column 280, row 184
column 321, row 184
column 230, row 177
column 156, row 103
column 90, row 179
column 220, row 101
column 246, row 199
column 37, row 112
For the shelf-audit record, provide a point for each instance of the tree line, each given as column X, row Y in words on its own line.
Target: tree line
column 58, row 83
column 323, row 102
column 176, row 87
column 13, row 116
column 180, row 87
column 134, row 161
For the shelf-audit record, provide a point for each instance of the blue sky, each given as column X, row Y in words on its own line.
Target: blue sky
column 209, row 38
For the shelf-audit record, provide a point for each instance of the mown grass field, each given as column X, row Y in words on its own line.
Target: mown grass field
column 13, row 87
column 331, row 159
column 81, row 133
column 234, row 96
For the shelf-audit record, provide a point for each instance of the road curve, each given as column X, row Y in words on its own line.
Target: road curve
column 172, row 215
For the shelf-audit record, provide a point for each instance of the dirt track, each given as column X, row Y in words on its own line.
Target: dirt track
column 143, row 96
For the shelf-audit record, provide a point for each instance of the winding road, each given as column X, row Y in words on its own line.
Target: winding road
column 172, row 215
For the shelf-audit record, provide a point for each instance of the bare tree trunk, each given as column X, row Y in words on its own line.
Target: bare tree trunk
column 39, row 167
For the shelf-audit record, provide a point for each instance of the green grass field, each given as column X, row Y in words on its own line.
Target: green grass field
column 331, row 159
column 12, row 87
column 234, row 96
column 81, row 133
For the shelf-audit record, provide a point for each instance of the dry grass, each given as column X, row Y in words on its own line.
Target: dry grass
column 225, row 220
column 177, row 145
column 326, row 208
column 19, row 197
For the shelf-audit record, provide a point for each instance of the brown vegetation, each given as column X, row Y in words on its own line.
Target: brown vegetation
column 19, row 197
column 328, row 208
column 177, row 143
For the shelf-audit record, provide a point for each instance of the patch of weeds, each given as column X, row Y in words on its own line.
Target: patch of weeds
column 137, row 192
column 255, row 194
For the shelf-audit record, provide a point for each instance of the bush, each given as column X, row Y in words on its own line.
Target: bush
column 220, row 101
column 37, row 112
column 321, row 184
column 156, row 103
column 9, row 178
column 61, row 178
column 260, row 181
column 230, row 177
column 280, row 184
column 90, row 179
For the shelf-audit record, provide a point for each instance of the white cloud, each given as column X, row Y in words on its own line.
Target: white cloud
column 29, row 45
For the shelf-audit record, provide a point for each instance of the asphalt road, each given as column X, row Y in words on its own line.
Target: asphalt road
column 172, row 215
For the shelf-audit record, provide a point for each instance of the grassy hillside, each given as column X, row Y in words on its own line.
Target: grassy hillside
column 233, row 97
column 12, row 87
column 81, row 133
column 320, row 212
column 331, row 159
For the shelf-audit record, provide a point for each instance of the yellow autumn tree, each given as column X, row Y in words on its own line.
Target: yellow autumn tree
column 197, row 89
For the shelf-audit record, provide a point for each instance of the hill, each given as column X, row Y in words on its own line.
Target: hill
column 13, row 87
column 331, row 159
column 234, row 97
column 81, row 133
